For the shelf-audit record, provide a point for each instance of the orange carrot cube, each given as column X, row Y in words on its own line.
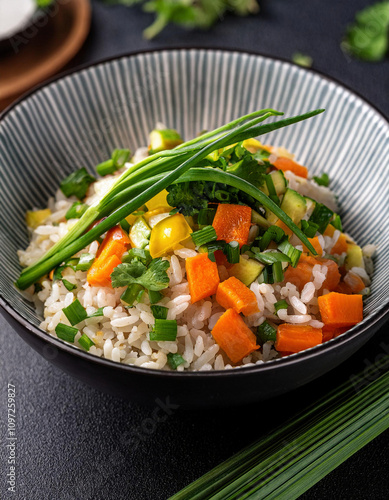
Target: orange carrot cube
column 232, row 293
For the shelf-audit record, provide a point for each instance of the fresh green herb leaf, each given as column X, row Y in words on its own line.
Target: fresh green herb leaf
column 85, row 342
column 266, row 333
column 159, row 312
column 368, row 37
column 66, row 332
column 37, row 287
column 154, row 277
column 302, row 60
column 75, row 312
column 76, row 211
column 323, row 180
column 77, row 183
column 204, row 235
column 175, row 360
column 164, row 330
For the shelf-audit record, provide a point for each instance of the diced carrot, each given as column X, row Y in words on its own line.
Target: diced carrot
column 234, row 336
column 316, row 245
column 355, row 282
column 303, row 272
column 108, row 257
column 51, row 275
column 232, row 293
column 330, row 332
column 285, row 164
column 232, row 223
column 202, row 276
column 221, row 259
column 284, row 227
column 296, row 338
column 100, row 276
column 340, row 310
column 341, row 243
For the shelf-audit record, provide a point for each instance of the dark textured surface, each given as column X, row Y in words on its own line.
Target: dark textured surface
column 76, row 443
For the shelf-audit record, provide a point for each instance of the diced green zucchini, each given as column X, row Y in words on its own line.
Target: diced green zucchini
column 256, row 218
column 160, row 140
column 279, row 181
column 310, row 206
column 140, row 233
column 354, row 257
column 294, row 205
column 247, row 270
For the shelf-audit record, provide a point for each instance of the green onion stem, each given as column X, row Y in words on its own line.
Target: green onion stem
column 293, row 458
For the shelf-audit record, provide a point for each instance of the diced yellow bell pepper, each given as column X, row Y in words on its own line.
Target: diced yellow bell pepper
column 158, row 201
column 156, row 211
column 168, row 234
column 36, row 217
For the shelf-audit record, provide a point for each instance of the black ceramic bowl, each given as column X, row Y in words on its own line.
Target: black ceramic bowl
column 80, row 118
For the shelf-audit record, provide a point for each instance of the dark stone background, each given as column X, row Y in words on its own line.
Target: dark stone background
column 77, row 443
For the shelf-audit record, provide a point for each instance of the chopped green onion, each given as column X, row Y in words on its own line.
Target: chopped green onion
column 273, row 233
column 206, row 216
column 125, row 226
column 69, row 286
column 266, row 332
column 323, row 180
column 204, row 235
column 99, row 312
column 131, row 294
column 77, row 183
column 212, row 246
column 281, row 304
column 309, row 228
column 76, row 211
column 159, row 312
column 164, row 330
column 337, row 223
column 75, row 312
column 270, row 257
column 231, row 251
column 106, row 168
column 278, row 274
column 321, row 216
column 66, row 332
column 289, row 250
column 57, row 274
column 85, row 342
column 85, row 262
column 174, row 360
column 155, row 296
column 118, row 158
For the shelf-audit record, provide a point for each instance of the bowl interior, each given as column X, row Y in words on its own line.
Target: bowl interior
column 78, row 120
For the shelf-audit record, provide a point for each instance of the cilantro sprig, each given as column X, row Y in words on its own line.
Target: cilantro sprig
column 153, row 277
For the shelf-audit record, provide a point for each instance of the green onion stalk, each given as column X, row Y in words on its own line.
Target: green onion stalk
column 142, row 181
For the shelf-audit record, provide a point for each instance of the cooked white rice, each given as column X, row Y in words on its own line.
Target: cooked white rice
column 122, row 334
